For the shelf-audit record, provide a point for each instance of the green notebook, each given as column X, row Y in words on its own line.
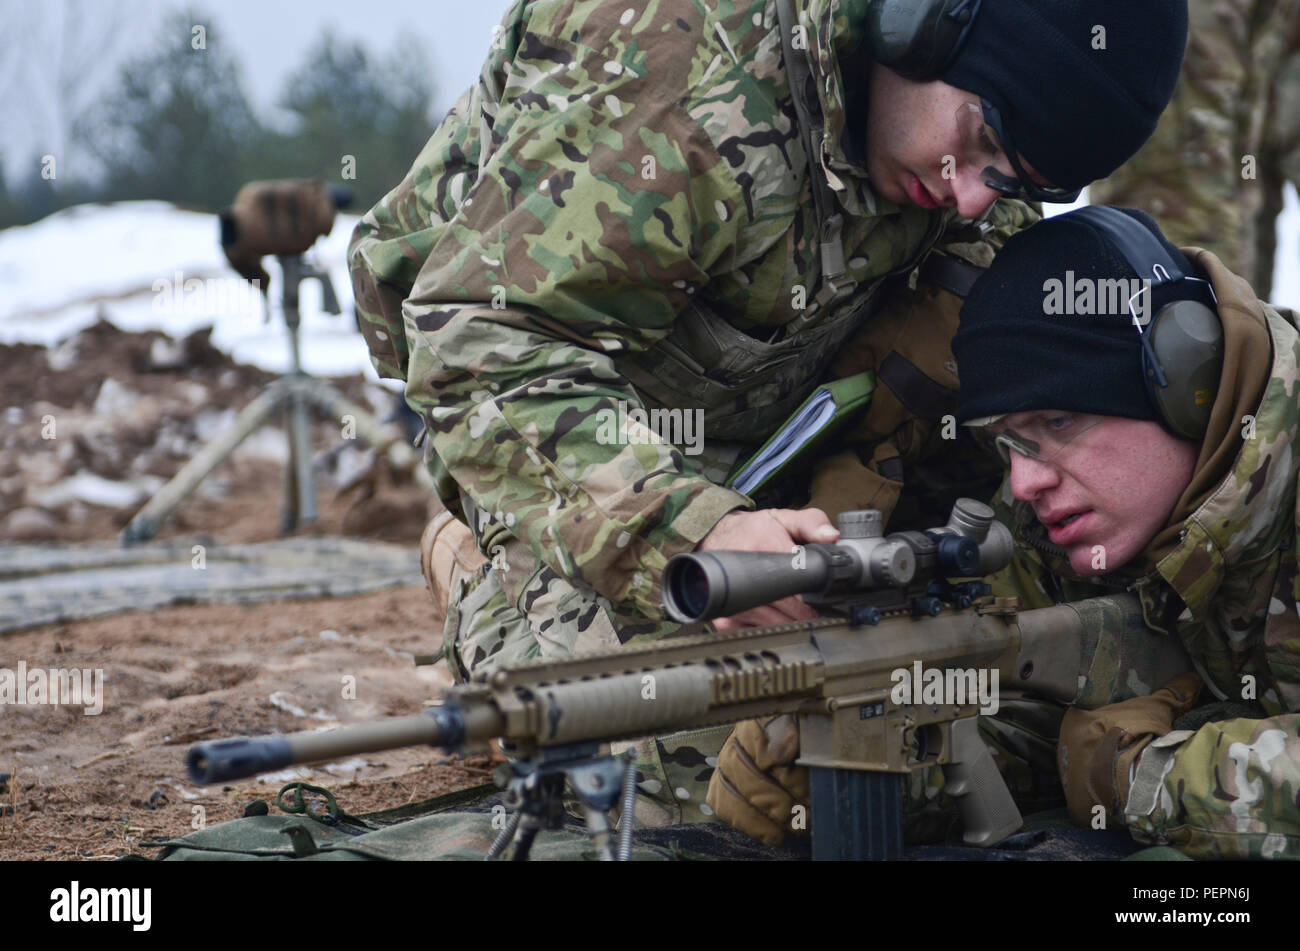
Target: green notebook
column 826, row 410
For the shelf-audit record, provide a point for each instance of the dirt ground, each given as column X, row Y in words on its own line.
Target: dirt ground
column 129, row 410
column 91, row 428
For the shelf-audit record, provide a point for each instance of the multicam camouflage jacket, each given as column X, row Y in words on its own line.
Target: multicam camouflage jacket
column 1230, row 590
column 1214, row 172
column 619, row 217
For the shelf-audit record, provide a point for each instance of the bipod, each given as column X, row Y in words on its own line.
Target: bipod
column 534, row 790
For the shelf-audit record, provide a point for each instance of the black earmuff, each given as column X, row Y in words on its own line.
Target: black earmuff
column 1182, row 345
column 919, row 39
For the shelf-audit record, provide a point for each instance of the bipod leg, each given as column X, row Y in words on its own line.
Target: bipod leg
column 300, row 494
column 146, row 522
column 598, row 784
column 528, row 830
column 534, row 788
column 627, row 812
column 289, row 501
column 598, row 829
column 503, row 837
column 538, row 798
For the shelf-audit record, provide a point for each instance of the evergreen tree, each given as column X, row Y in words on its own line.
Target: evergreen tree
column 8, row 212
column 33, row 197
column 356, row 121
column 179, row 126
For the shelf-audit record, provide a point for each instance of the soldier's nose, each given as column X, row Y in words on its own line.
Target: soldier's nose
column 1029, row 477
column 971, row 196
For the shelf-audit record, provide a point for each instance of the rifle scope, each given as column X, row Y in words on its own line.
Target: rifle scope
column 700, row 586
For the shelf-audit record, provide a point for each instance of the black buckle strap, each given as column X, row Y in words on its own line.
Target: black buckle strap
column 955, row 275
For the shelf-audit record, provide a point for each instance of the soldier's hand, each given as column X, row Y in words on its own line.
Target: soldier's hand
column 757, row 785
column 774, row 530
column 1098, row 748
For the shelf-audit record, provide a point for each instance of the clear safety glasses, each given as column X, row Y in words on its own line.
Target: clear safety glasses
column 1043, row 436
column 983, row 132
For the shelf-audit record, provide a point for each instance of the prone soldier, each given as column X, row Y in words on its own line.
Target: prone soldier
column 1150, row 439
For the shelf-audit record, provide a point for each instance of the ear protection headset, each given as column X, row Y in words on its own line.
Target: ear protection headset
column 919, row 39
column 1182, row 346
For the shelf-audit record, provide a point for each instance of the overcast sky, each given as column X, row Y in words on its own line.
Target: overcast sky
column 58, row 57
column 273, row 35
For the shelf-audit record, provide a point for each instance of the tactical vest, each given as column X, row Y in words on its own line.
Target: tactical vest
column 746, row 386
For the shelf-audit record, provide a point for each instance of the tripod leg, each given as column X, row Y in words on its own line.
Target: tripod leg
column 289, row 501
column 300, row 492
column 385, row 438
column 144, row 525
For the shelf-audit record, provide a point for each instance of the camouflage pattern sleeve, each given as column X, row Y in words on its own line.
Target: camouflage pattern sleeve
column 1205, row 173
column 600, row 207
column 1004, row 219
column 1230, row 790
column 1283, row 134
column 393, row 240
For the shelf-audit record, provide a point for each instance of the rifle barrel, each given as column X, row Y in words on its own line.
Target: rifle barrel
column 243, row 757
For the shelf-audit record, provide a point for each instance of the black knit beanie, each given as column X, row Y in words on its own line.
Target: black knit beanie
column 1079, row 83
column 1031, row 336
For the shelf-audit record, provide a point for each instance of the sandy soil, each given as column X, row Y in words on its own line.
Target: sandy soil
column 97, row 786
column 90, row 787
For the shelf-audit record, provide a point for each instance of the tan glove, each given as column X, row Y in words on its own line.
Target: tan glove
column 756, row 785
column 842, row 482
column 447, row 549
column 1099, row 748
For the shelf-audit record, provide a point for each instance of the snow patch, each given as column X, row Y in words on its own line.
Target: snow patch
column 128, row 255
column 96, row 490
column 279, row 701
